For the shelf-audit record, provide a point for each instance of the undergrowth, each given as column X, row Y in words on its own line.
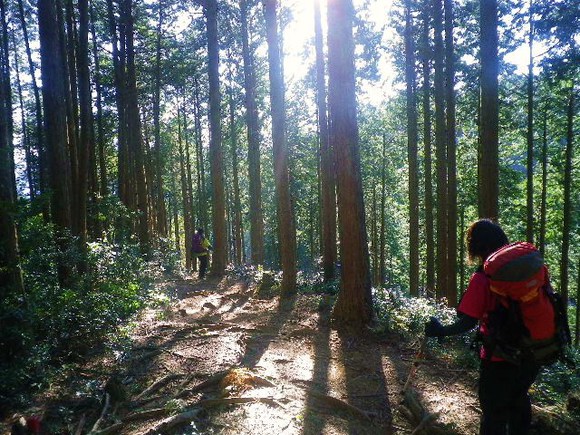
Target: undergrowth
column 49, row 327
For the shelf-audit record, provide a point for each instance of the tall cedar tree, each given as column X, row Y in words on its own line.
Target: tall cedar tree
column 55, row 128
column 327, row 172
column 253, row 127
column 286, row 225
column 488, row 164
column 441, row 151
column 427, row 149
column 567, row 208
column 134, row 135
column 530, row 131
column 160, row 211
column 220, row 256
column 412, row 140
column 354, row 303
column 10, row 273
column 451, row 289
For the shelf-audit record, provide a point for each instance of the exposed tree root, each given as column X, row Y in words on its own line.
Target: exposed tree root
column 211, row 403
column 158, row 384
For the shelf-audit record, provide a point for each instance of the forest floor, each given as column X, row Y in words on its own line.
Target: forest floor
column 222, row 358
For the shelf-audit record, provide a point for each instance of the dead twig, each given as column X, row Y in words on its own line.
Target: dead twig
column 416, row 361
column 340, row 404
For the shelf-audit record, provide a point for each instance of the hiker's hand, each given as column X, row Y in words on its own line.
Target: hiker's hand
column 433, row 328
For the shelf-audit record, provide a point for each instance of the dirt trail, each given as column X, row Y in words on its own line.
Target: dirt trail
column 227, row 362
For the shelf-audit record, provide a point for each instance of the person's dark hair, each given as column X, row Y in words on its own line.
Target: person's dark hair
column 200, row 230
column 484, row 237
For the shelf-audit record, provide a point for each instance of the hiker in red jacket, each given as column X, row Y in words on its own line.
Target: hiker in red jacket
column 503, row 386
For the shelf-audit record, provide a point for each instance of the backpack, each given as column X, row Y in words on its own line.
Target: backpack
column 196, row 244
column 530, row 320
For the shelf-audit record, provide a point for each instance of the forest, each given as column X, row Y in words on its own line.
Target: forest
column 334, row 152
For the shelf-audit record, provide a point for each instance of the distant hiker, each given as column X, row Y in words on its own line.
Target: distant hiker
column 200, row 248
column 504, row 381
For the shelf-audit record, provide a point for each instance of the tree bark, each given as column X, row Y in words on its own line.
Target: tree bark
column 567, row 207
column 412, row 141
column 354, row 303
column 220, row 255
column 286, row 225
column 451, row 288
column 237, row 233
column 55, row 127
column 426, row 92
column 328, row 178
column 252, row 121
column 530, row 134
column 160, row 212
column 441, row 154
column 488, row 167
column 544, row 195
column 135, row 139
column 10, row 272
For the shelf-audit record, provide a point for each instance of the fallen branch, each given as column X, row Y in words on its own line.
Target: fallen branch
column 426, row 421
column 171, row 422
column 210, row 403
column 158, row 384
column 145, row 414
column 340, row 404
column 81, row 425
column 113, row 429
column 103, row 412
column 213, row 380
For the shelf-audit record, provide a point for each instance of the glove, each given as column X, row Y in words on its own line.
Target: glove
column 433, row 328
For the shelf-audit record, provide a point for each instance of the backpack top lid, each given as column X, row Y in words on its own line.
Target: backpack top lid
column 516, row 270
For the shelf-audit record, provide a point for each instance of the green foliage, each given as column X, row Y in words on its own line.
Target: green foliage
column 48, row 325
column 404, row 315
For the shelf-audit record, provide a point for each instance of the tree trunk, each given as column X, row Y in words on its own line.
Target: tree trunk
column 40, row 144
column 543, row 204
column 53, row 92
column 220, row 255
column 412, row 140
column 86, row 142
column 426, row 91
column 354, row 303
column 30, row 178
column 252, row 121
column 530, row 135
column 328, row 181
column 383, row 216
column 488, row 165
column 286, row 225
column 134, row 139
column 451, row 287
column 103, row 189
column 200, row 162
column 567, row 207
column 160, row 212
column 187, row 220
column 10, row 272
column 441, row 153
column 237, row 206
